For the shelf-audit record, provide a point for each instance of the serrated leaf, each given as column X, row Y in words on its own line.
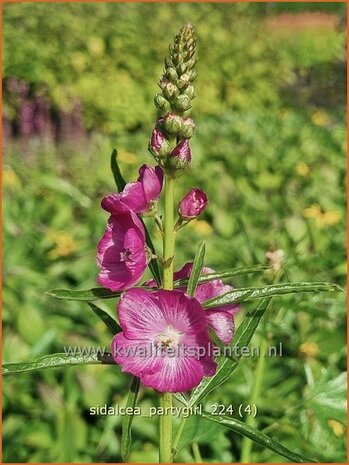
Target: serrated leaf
column 106, row 318
column 54, row 361
column 227, row 366
column 87, row 295
column 128, row 419
column 196, row 269
column 250, row 293
column 223, row 274
column 257, row 436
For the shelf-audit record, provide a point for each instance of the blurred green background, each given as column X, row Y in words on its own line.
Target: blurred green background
column 269, row 150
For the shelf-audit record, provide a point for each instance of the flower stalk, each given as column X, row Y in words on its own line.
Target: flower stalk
column 165, row 450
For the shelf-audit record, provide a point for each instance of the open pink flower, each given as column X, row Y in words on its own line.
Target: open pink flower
column 220, row 318
column 137, row 196
column 121, row 252
column 164, row 340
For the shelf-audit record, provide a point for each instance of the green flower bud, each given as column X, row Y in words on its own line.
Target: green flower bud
column 172, row 123
column 188, row 128
column 170, row 90
column 189, row 91
column 161, row 103
column 181, row 68
column 171, row 74
column 193, row 75
column 183, row 82
column 182, row 102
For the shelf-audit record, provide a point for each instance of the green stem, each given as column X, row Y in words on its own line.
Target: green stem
column 165, row 452
column 196, row 452
column 169, row 235
column 179, row 434
column 246, row 447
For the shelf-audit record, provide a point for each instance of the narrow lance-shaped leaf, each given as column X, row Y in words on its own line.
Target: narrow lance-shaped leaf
column 120, row 184
column 111, row 324
column 128, row 419
column 250, row 293
column 226, row 366
column 118, row 178
column 257, row 436
column 88, row 295
column 55, row 361
column 196, row 270
column 223, row 274
column 100, row 293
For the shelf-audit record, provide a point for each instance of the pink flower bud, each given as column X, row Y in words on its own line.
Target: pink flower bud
column 182, row 154
column 159, row 145
column 193, row 204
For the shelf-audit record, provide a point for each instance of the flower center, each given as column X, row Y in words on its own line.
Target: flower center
column 169, row 338
column 125, row 256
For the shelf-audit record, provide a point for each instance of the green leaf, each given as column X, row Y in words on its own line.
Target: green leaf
column 257, row 436
column 223, row 274
column 128, row 419
column 196, row 270
column 106, row 318
column 118, row 178
column 227, row 366
column 88, row 295
column 250, row 293
column 327, row 398
column 120, row 184
column 55, row 361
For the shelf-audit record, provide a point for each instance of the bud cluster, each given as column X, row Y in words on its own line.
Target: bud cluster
column 169, row 142
column 179, row 74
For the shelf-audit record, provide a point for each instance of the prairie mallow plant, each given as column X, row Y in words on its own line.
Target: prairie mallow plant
column 165, row 328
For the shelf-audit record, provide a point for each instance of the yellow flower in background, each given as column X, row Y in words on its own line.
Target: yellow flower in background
column 337, row 427
column 322, row 218
column 10, row 179
column 302, row 169
column 65, row 244
column 320, row 118
column 127, row 157
column 309, row 349
column 202, row 227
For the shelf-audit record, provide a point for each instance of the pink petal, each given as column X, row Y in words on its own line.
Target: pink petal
column 113, row 203
column 133, row 196
column 139, row 315
column 182, row 312
column 222, row 323
column 135, row 356
column 174, row 374
column 151, row 180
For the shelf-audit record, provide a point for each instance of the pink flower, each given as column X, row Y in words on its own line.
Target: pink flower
column 221, row 318
column 193, row 204
column 121, row 252
column 137, row 196
column 164, row 340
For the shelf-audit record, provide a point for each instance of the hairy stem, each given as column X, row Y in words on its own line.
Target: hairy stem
column 165, row 453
